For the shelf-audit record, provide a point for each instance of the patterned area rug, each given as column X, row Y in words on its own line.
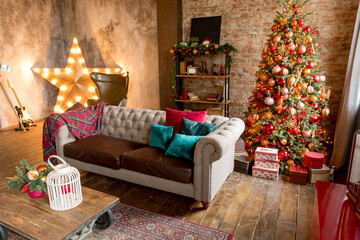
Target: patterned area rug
column 138, row 224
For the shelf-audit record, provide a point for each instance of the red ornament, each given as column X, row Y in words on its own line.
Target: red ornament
column 199, row 48
column 269, row 128
column 294, row 6
column 297, row 11
column 24, row 188
column 211, row 48
column 310, row 50
column 316, row 78
column 307, row 29
column 283, row 155
column 293, row 130
column 227, row 50
column 285, row 30
column 281, row 82
column 174, row 57
column 310, row 65
column 172, row 95
column 273, row 28
column 272, row 49
column 246, row 133
column 248, row 123
column 179, row 50
column 301, row 23
column 279, row 121
column 314, row 119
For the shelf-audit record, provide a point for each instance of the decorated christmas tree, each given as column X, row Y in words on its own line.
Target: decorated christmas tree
column 288, row 107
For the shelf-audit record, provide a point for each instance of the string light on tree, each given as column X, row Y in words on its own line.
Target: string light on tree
column 73, row 81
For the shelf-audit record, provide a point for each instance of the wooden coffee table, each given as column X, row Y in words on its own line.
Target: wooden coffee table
column 34, row 219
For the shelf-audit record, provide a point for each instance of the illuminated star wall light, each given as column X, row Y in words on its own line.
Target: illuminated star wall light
column 74, row 80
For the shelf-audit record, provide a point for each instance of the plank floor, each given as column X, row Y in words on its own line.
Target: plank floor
column 248, row 207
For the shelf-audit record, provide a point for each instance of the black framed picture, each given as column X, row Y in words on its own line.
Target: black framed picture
column 206, row 27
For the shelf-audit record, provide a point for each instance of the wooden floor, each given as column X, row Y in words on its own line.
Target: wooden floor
column 248, row 207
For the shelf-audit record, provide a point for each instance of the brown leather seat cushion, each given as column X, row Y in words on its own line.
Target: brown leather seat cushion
column 100, row 150
column 152, row 161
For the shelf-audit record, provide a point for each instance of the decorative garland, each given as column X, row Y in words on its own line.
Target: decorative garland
column 180, row 50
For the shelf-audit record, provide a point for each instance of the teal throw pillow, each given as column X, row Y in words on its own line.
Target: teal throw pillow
column 193, row 128
column 160, row 136
column 182, row 146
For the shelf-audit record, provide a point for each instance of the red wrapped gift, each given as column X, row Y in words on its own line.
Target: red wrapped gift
column 314, row 160
column 298, row 175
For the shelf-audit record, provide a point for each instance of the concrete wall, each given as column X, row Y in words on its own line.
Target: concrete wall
column 246, row 24
column 111, row 33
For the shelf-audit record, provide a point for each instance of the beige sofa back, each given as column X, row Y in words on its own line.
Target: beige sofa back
column 134, row 124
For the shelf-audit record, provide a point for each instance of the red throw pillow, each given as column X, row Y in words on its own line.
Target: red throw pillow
column 174, row 118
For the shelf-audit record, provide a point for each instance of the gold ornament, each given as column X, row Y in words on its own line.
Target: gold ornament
column 306, row 71
column 231, row 54
column 43, row 179
column 325, row 111
column 290, row 162
column 271, row 82
column 313, row 98
column 308, row 40
column 255, row 117
column 291, row 80
column 263, row 77
column 216, row 46
column 171, row 51
column 283, row 141
column 304, row 85
column 278, row 58
column 311, row 146
column 207, row 52
column 195, row 51
column 283, row 21
column 285, row 71
column 41, row 168
column 264, row 142
column 268, row 115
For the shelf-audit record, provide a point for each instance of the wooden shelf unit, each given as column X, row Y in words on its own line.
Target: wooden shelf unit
column 226, row 78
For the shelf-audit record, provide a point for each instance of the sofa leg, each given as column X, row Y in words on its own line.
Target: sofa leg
column 205, row 205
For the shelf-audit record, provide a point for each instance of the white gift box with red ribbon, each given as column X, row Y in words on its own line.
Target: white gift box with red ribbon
column 272, row 174
column 269, row 154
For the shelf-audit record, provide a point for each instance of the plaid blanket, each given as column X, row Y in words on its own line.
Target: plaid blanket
column 82, row 123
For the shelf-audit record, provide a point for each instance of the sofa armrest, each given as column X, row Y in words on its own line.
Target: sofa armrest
column 214, row 159
column 63, row 137
column 223, row 138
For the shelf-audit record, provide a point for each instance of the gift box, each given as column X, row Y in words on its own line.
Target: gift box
column 269, row 154
column 298, row 175
column 265, row 164
column 314, row 160
column 243, row 164
column 322, row 174
column 272, row 174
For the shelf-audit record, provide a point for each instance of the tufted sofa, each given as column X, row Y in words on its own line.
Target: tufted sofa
column 122, row 151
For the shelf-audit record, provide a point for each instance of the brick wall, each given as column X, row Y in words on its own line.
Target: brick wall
column 246, row 24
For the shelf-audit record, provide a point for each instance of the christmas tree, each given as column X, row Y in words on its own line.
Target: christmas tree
column 288, row 107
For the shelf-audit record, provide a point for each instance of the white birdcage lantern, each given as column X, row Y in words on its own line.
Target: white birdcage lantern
column 63, row 185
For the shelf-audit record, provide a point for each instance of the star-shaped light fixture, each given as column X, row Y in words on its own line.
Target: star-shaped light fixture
column 73, row 81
